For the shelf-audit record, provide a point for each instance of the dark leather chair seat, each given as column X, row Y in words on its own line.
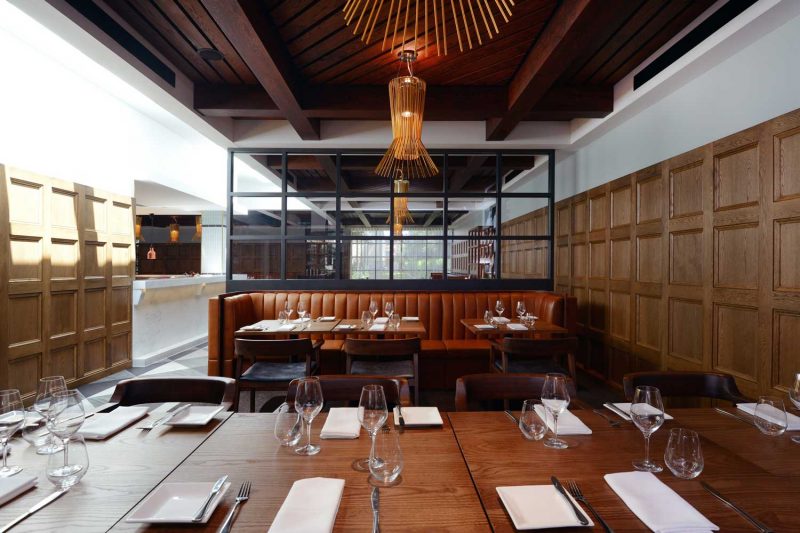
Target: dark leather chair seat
column 275, row 372
column 401, row 369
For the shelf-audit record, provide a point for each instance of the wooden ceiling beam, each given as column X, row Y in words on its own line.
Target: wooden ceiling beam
column 252, row 34
column 575, row 30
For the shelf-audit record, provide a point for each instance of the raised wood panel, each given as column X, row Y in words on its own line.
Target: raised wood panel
column 120, row 348
column 25, row 258
column 24, row 320
column 648, row 200
column 786, row 250
column 787, row 165
column 620, row 325
column 64, row 209
column 95, row 213
column 736, row 256
column 582, row 298
column 598, row 259
column 120, row 305
column 120, row 218
column 785, row 343
column 579, row 217
column 736, row 182
column 121, row 260
column 94, row 356
column 25, row 202
column 562, row 221
column 64, row 259
column 94, row 309
column 686, row 257
column 24, row 373
column 597, row 309
column 686, row 190
column 648, row 258
column 736, row 340
column 598, row 212
column 64, row 362
column 94, row 264
column 580, row 260
column 621, row 207
column 621, row 259
column 64, row 313
column 648, row 322
column 562, row 260
column 686, row 329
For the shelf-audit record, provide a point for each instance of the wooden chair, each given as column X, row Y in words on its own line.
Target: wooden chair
column 347, row 389
column 274, row 363
column 137, row 391
column 389, row 357
column 714, row 385
column 483, row 389
column 533, row 356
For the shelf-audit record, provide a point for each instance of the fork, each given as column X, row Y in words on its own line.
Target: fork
column 578, row 495
column 243, row 496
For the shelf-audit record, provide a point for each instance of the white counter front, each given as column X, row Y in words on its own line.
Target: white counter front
column 170, row 315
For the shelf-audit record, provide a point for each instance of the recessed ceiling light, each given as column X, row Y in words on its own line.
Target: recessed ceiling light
column 210, row 54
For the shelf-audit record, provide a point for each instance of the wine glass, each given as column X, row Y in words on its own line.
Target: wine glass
column 12, row 416
column 647, row 413
column 488, row 317
column 301, row 311
column 555, row 398
column 64, row 419
column 372, row 414
column 373, row 309
column 44, row 396
column 683, row 455
column 499, row 308
column 385, row 459
column 62, row 474
column 289, row 425
column 35, row 431
column 521, row 310
column 366, row 319
column 288, row 309
column 388, row 308
column 770, row 416
column 530, row 423
column 794, row 396
column 308, row 402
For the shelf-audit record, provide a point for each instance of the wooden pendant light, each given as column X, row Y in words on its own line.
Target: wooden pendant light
column 472, row 19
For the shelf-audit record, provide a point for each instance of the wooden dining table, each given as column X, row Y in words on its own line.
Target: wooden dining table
column 348, row 326
column 541, row 329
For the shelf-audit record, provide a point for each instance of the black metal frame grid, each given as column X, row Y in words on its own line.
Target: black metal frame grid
column 338, row 237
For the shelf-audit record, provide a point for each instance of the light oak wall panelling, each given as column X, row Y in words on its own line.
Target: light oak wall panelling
column 598, row 331
column 621, row 269
column 66, row 278
column 562, row 244
column 526, row 258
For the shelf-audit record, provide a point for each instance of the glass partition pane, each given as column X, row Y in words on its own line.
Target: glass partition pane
column 524, row 173
column 313, row 259
column 358, row 174
column 468, row 214
column 311, row 173
column 418, row 216
column 418, row 259
column 311, row 217
column 471, row 258
column 471, row 173
column 257, row 172
column 524, row 217
column 256, row 216
column 255, row 260
column 365, row 259
column 365, row 216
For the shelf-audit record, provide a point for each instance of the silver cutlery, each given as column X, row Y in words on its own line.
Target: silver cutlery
column 611, row 421
column 578, row 513
column 511, row 416
column 759, row 525
column 214, row 491
column 400, row 417
column 243, row 496
column 733, row 415
column 576, row 492
column 166, row 418
column 376, row 495
column 50, row 499
column 617, row 410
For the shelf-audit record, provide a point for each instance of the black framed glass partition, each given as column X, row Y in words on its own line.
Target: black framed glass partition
column 322, row 219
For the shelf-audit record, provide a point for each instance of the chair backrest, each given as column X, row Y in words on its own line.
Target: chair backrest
column 382, row 347
column 716, row 385
column 531, row 348
column 137, row 391
column 273, row 349
column 481, row 389
column 347, row 388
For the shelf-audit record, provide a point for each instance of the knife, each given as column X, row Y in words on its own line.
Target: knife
column 580, row 516
column 376, row 494
column 733, row 415
column 625, row 416
column 214, row 491
column 166, row 418
column 400, row 417
column 512, row 417
column 760, row 526
column 50, row 499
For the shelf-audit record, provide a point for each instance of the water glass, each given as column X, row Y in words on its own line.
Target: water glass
column 488, row 317
column 521, row 310
column 647, row 414
column 530, row 423
column 394, row 321
column 555, row 398
column 498, row 306
column 388, row 308
column 770, row 416
column 44, row 396
column 67, row 467
column 35, row 431
column 288, row 426
column 308, row 402
column 683, row 455
column 385, row 459
column 12, row 417
column 283, row 318
column 372, row 415
column 366, row 319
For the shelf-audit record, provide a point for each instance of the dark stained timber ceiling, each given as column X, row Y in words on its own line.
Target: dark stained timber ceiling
column 296, row 59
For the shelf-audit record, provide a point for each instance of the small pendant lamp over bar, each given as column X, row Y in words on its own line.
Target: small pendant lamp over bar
column 407, row 102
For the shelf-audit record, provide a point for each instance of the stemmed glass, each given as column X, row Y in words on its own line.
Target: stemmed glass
column 647, row 413
column 770, row 416
column 386, row 459
column 388, row 308
column 301, row 312
column 683, row 455
column 288, row 309
column 372, row 414
column 308, row 402
column 373, row 309
column 44, row 397
column 794, row 396
column 555, row 398
column 499, row 308
column 64, row 419
column 12, row 416
column 521, row 310
column 531, row 425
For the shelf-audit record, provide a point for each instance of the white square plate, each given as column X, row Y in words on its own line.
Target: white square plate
column 539, row 507
column 177, row 503
column 419, row 417
column 196, row 415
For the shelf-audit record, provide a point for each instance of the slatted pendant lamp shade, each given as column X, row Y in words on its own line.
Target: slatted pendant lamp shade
column 401, row 214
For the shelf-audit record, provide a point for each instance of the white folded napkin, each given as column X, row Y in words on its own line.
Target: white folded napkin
column 103, row 425
column 301, row 320
column 346, row 326
column 485, row 326
column 517, row 327
column 285, row 327
column 327, row 318
column 568, row 424
column 419, row 416
column 258, row 326
column 310, row 506
column 539, row 507
column 768, row 413
column 658, row 506
column 342, row 423
column 381, row 320
column 501, row 320
column 410, row 319
column 625, row 407
column 377, row 327
column 11, row 487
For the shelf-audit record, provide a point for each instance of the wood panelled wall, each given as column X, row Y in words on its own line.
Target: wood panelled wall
column 525, row 259
column 67, row 272
column 692, row 263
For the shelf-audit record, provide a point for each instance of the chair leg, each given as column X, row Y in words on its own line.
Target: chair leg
column 252, row 401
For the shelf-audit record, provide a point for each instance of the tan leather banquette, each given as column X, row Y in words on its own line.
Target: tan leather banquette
column 448, row 349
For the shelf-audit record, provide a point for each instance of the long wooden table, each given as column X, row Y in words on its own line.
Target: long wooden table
column 541, row 329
